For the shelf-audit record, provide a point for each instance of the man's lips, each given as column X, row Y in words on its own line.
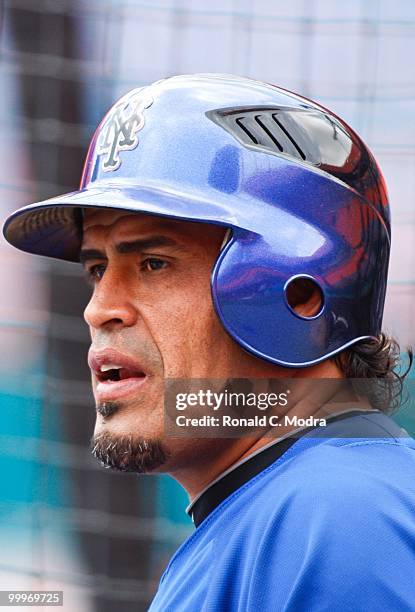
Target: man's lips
column 115, row 374
column 101, row 363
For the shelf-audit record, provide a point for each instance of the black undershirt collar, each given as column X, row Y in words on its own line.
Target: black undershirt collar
column 232, row 481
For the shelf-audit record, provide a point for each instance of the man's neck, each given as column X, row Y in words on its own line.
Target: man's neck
column 219, row 454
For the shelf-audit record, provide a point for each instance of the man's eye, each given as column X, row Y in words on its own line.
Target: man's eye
column 152, row 264
column 95, row 273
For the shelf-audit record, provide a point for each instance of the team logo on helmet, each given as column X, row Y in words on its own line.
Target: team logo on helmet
column 120, row 130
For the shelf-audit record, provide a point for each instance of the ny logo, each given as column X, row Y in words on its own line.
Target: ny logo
column 119, row 132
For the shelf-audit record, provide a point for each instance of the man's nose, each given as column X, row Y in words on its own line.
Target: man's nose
column 111, row 303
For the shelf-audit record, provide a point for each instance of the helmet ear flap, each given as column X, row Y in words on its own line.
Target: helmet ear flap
column 252, row 304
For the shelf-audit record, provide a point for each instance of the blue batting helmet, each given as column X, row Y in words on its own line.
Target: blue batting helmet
column 299, row 190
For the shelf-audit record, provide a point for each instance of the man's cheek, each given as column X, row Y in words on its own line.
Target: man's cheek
column 178, row 349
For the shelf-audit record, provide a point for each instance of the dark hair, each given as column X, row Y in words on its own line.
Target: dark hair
column 377, row 359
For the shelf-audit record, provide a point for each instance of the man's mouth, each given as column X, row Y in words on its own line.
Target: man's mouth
column 116, row 375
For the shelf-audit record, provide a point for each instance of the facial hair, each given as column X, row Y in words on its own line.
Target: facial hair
column 128, row 453
column 107, row 409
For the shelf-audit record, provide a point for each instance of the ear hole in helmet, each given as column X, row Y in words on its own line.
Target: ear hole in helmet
column 304, row 296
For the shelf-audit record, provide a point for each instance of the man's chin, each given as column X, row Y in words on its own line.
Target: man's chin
column 128, row 453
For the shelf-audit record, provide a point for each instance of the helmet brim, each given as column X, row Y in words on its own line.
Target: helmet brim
column 53, row 228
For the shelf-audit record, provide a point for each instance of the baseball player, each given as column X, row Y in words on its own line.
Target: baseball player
column 231, row 229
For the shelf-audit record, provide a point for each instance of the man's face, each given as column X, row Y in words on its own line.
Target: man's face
column 151, row 317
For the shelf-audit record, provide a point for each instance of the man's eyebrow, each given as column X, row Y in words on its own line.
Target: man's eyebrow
column 87, row 254
column 136, row 246
column 133, row 246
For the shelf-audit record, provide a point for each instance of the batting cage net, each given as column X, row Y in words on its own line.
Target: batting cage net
column 66, row 523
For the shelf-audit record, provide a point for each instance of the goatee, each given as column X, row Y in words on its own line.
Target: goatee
column 128, row 453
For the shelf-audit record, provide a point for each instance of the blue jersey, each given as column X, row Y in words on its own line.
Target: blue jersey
column 330, row 525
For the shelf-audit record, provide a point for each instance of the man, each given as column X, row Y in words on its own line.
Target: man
column 233, row 230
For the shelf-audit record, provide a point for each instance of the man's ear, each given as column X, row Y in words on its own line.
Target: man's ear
column 304, row 296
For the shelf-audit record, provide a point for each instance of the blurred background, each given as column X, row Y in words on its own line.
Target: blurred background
column 66, row 523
